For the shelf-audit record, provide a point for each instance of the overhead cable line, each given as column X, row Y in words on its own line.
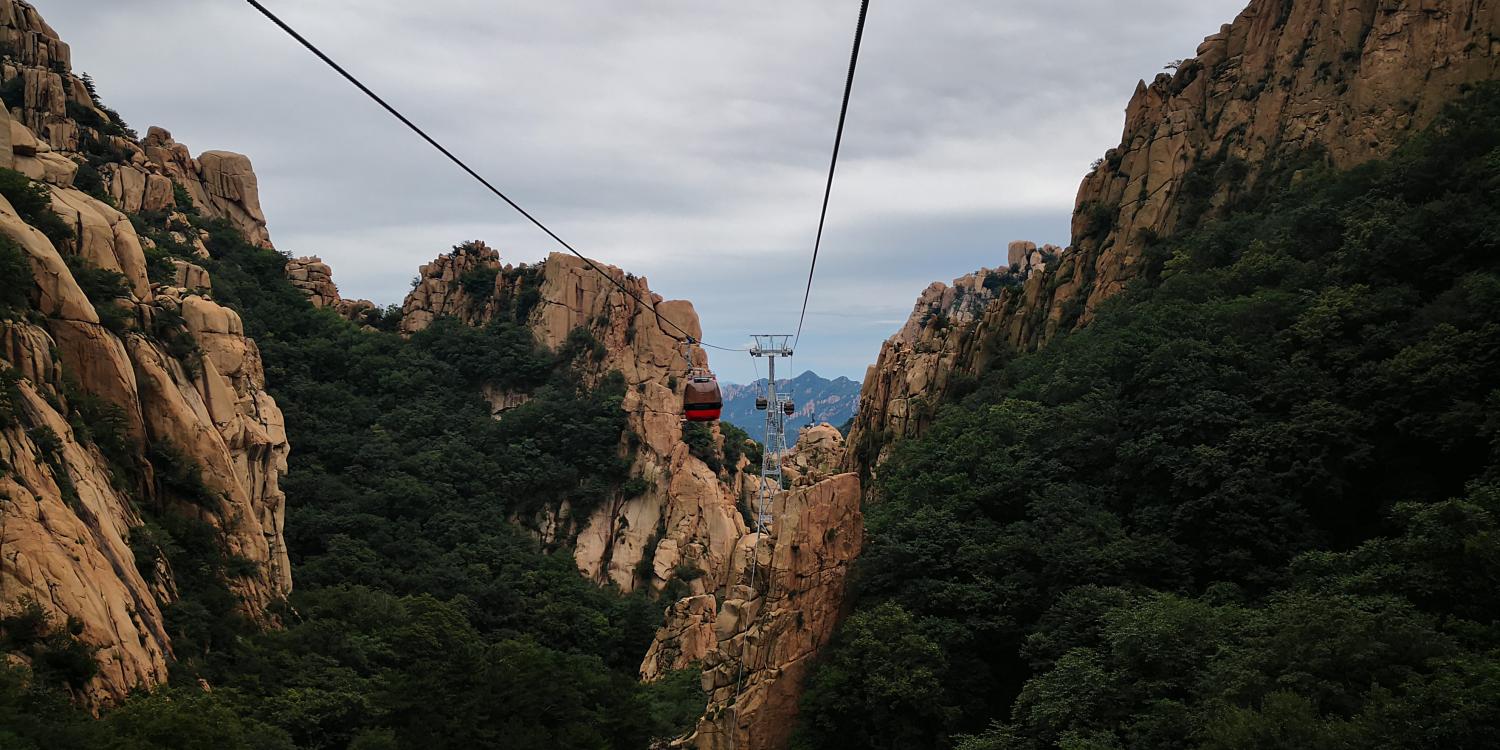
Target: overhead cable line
column 466, row 168
column 838, row 141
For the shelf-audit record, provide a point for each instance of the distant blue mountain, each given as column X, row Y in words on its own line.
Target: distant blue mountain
column 817, row 399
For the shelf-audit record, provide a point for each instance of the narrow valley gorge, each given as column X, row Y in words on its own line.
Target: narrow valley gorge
column 1222, row 473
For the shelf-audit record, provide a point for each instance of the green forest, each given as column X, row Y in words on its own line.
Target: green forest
column 1254, row 504
column 422, row 616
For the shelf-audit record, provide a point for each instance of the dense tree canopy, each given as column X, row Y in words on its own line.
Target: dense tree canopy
column 422, row 616
column 1253, row 504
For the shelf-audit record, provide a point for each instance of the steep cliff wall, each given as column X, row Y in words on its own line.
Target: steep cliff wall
column 111, row 396
column 1336, row 81
column 786, row 599
column 1289, row 84
column 687, row 517
column 938, row 348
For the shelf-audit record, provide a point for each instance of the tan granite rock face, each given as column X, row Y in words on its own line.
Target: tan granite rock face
column 688, row 510
column 935, row 348
column 441, row 293
column 233, row 192
column 688, row 517
column 45, row 141
column 105, row 238
column 817, row 456
column 687, row 529
column 687, row 639
column 773, row 623
column 314, row 279
column 65, row 524
column 1345, row 82
column 64, row 540
column 64, row 534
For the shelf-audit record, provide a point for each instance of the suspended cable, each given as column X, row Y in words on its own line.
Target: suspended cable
column 466, row 168
column 838, row 141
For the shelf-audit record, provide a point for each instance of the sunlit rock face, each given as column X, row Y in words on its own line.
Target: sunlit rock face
column 69, row 519
column 771, row 633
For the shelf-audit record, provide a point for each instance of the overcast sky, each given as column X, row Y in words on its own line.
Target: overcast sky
column 682, row 140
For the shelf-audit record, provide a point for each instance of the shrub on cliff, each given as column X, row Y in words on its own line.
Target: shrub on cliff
column 16, row 281
column 33, row 203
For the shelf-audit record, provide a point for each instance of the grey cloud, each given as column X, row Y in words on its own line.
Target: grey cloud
column 684, row 140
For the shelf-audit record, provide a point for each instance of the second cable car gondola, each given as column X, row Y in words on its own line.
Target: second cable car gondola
column 701, row 399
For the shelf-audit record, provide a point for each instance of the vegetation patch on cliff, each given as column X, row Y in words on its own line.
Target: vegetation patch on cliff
column 1255, row 504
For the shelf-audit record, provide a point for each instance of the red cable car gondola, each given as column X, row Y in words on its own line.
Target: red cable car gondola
column 701, row 399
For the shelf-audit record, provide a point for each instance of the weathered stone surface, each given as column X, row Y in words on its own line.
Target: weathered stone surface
column 64, row 527
column 686, row 640
column 817, row 456
column 687, row 526
column 64, row 538
column 233, row 192
column 136, row 189
column 314, row 279
column 774, row 622
column 440, row 293
column 688, row 516
column 105, row 238
column 1343, row 82
column 918, row 364
column 219, row 415
column 190, row 276
column 58, row 293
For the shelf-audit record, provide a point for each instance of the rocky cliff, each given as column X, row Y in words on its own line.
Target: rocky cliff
column 936, row 349
column 685, row 518
column 1289, row 84
column 314, row 279
column 758, row 638
column 129, row 401
column 750, row 609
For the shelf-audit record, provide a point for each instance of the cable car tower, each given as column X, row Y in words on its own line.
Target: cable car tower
column 777, row 408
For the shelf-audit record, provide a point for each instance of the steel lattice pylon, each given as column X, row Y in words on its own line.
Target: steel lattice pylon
column 771, row 346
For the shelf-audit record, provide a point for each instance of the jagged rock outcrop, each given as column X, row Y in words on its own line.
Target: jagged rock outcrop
column 1288, row 84
column 917, row 366
column 770, row 632
column 686, row 531
column 174, row 366
column 688, row 637
column 314, row 278
column 818, row 454
column 59, row 117
column 1335, row 81
column 756, row 638
column 688, row 517
column 218, row 184
column 65, row 528
column 465, row 285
